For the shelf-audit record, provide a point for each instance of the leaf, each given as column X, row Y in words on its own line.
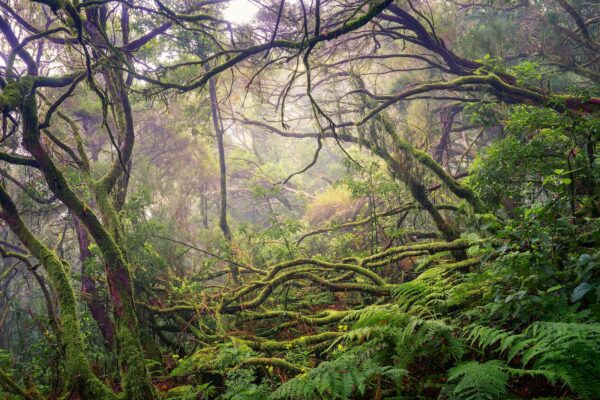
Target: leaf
column 554, row 288
column 580, row 291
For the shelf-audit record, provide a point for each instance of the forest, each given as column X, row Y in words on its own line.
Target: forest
column 301, row 199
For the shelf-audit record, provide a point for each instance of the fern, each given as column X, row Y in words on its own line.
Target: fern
column 567, row 352
column 475, row 381
column 428, row 338
column 399, row 338
column 485, row 337
column 427, row 293
column 189, row 392
column 338, row 379
column 570, row 351
column 240, row 385
column 409, row 293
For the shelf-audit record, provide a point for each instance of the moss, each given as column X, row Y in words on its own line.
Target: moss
column 107, row 210
column 298, row 274
column 273, row 345
column 273, row 362
column 303, row 269
column 426, row 160
column 432, row 247
column 326, row 265
column 135, row 374
column 10, row 386
column 14, row 93
column 324, row 318
column 136, row 379
column 78, row 371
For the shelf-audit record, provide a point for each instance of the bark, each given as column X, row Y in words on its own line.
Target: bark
column 78, row 372
column 217, row 125
column 135, row 376
column 89, row 290
column 125, row 136
column 204, row 206
column 216, row 120
column 419, row 193
column 440, row 152
column 110, row 194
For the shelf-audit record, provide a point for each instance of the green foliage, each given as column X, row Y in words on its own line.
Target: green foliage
column 527, row 72
column 537, row 156
column 398, row 339
column 479, row 381
column 339, row 379
column 559, row 351
column 213, row 358
column 522, row 310
column 241, row 385
column 204, row 391
column 568, row 351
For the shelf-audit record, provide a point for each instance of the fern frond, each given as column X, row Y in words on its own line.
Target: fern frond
column 559, row 351
column 338, row 379
column 476, row 381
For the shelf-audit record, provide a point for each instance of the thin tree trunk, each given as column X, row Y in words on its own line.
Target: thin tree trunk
column 89, row 290
column 218, row 127
column 216, row 119
column 204, row 206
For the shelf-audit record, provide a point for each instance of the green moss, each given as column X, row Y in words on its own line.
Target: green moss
column 14, row 93
column 78, row 371
column 273, row 345
column 10, row 386
column 136, row 379
column 274, row 362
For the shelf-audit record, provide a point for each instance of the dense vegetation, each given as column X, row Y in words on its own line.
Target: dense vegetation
column 388, row 199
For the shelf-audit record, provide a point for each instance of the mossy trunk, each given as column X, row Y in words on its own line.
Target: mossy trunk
column 89, row 290
column 135, row 376
column 79, row 375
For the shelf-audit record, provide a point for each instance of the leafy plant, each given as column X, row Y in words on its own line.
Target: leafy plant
column 479, row 381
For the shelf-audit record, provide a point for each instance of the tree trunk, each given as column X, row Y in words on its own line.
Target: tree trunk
column 88, row 287
column 78, row 372
column 135, row 376
column 218, row 127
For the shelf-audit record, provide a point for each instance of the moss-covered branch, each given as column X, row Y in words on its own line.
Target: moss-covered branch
column 425, row 159
column 273, row 362
column 431, row 247
column 18, row 160
column 303, row 341
column 11, row 386
column 365, row 221
column 322, row 318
